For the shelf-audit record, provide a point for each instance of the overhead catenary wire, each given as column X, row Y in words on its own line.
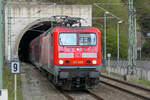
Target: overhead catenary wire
column 112, row 4
column 96, row 4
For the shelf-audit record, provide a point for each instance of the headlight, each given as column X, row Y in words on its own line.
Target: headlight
column 94, row 62
column 61, row 62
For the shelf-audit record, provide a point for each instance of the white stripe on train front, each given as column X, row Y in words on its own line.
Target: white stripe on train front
column 66, row 55
column 71, row 55
column 89, row 55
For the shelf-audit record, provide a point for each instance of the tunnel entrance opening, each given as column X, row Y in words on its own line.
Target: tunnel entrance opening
column 29, row 35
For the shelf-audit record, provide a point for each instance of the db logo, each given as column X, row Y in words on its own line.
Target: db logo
column 78, row 55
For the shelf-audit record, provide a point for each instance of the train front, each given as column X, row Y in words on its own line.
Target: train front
column 77, row 57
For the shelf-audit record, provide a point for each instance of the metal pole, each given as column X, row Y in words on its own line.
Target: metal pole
column 9, row 31
column 15, row 98
column 118, row 33
column 132, row 39
column 105, row 36
column 109, row 65
column 118, row 41
column 1, row 43
column 135, row 39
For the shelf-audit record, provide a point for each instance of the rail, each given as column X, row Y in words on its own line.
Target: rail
column 133, row 89
column 66, row 95
column 97, row 97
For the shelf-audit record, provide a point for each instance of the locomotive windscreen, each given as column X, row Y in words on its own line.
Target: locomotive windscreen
column 68, row 39
column 87, row 39
column 81, row 39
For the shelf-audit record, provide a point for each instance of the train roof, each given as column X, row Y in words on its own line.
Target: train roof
column 76, row 29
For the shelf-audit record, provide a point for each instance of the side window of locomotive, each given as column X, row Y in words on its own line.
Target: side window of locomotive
column 87, row 39
column 51, row 39
column 68, row 39
column 37, row 49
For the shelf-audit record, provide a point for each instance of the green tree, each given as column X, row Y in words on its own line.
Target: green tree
column 142, row 7
column 112, row 43
column 146, row 49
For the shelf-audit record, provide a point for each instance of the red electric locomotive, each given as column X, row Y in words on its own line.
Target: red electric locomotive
column 71, row 56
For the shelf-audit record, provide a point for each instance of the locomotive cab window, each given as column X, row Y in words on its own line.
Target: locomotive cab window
column 68, row 39
column 88, row 39
column 75, row 39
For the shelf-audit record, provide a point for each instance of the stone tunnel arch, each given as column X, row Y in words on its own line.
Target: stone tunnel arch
column 30, row 32
column 26, row 15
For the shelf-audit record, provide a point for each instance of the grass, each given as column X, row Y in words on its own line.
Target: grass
column 141, row 82
column 8, row 83
column 104, row 71
column 117, row 75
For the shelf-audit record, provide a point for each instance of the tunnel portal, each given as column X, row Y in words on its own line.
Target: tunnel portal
column 29, row 35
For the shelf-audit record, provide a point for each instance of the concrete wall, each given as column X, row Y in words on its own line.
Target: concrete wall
column 26, row 14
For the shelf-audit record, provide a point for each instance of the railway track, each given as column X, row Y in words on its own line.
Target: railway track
column 94, row 95
column 133, row 89
column 68, row 96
